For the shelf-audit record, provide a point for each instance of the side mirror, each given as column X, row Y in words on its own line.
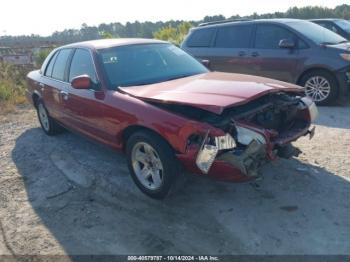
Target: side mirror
column 286, row 43
column 206, row 63
column 81, row 82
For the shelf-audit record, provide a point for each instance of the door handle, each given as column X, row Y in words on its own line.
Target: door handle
column 242, row 53
column 255, row 54
column 64, row 95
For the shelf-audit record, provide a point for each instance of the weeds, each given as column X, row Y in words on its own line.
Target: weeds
column 12, row 86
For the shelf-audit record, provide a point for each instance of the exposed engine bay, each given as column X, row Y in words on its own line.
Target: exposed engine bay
column 255, row 132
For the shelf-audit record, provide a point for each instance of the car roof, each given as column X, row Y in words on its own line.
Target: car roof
column 272, row 20
column 108, row 43
column 325, row 19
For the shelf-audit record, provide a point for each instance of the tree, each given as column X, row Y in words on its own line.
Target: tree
column 40, row 56
column 214, row 18
column 174, row 35
column 106, row 35
column 169, row 30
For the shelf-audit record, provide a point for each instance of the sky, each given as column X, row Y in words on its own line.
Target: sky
column 43, row 17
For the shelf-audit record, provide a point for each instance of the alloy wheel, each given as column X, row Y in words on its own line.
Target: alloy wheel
column 147, row 165
column 317, row 88
column 43, row 117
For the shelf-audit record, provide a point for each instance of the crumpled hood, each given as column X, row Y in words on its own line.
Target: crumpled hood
column 213, row 91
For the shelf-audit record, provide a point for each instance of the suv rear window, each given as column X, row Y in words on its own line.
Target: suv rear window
column 237, row 36
column 201, row 38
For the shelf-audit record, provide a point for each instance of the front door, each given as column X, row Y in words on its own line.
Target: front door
column 269, row 60
column 84, row 109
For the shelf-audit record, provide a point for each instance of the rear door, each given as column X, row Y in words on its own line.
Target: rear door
column 232, row 48
column 199, row 43
column 268, row 59
column 53, row 83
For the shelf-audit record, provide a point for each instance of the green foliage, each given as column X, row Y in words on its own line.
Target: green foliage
column 168, row 33
column 135, row 29
column 40, row 56
column 12, row 84
column 213, row 18
column 106, row 35
column 308, row 12
column 174, row 35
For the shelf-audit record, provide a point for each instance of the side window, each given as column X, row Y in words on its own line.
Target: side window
column 48, row 71
column 82, row 65
column 334, row 29
column 324, row 24
column 329, row 26
column 237, row 36
column 321, row 24
column 60, row 64
column 269, row 36
column 201, row 38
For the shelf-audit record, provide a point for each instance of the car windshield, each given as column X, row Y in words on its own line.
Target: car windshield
column 147, row 64
column 316, row 33
column 343, row 24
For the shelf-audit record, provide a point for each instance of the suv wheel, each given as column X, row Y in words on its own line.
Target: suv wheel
column 47, row 123
column 321, row 87
column 152, row 163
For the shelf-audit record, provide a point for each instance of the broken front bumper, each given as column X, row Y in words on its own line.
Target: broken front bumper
column 226, row 161
column 248, row 160
column 239, row 159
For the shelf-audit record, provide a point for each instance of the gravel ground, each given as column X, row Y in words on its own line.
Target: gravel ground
column 67, row 195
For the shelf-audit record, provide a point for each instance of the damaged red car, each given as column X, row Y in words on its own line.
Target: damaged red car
column 167, row 111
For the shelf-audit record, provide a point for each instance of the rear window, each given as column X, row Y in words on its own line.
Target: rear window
column 59, row 68
column 48, row 71
column 201, row 38
column 237, row 36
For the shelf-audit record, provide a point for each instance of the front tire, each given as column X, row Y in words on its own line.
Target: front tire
column 48, row 124
column 321, row 86
column 152, row 164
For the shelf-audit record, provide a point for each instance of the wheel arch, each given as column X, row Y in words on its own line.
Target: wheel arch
column 130, row 130
column 35, row 99
column 315, row 68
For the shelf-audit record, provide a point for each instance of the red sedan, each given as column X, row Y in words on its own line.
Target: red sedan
column 167, row 111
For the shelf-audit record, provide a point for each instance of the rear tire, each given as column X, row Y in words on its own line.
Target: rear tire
column 48, row 124
column 321, row 86
column 152, row 163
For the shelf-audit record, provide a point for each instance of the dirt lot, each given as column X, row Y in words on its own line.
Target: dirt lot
column 67, row 195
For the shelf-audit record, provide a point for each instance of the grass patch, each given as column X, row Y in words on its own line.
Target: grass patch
column 12, row 86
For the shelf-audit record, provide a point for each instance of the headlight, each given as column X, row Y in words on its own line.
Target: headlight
column 345, row 56
column 208, row 151
column 245, row 136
